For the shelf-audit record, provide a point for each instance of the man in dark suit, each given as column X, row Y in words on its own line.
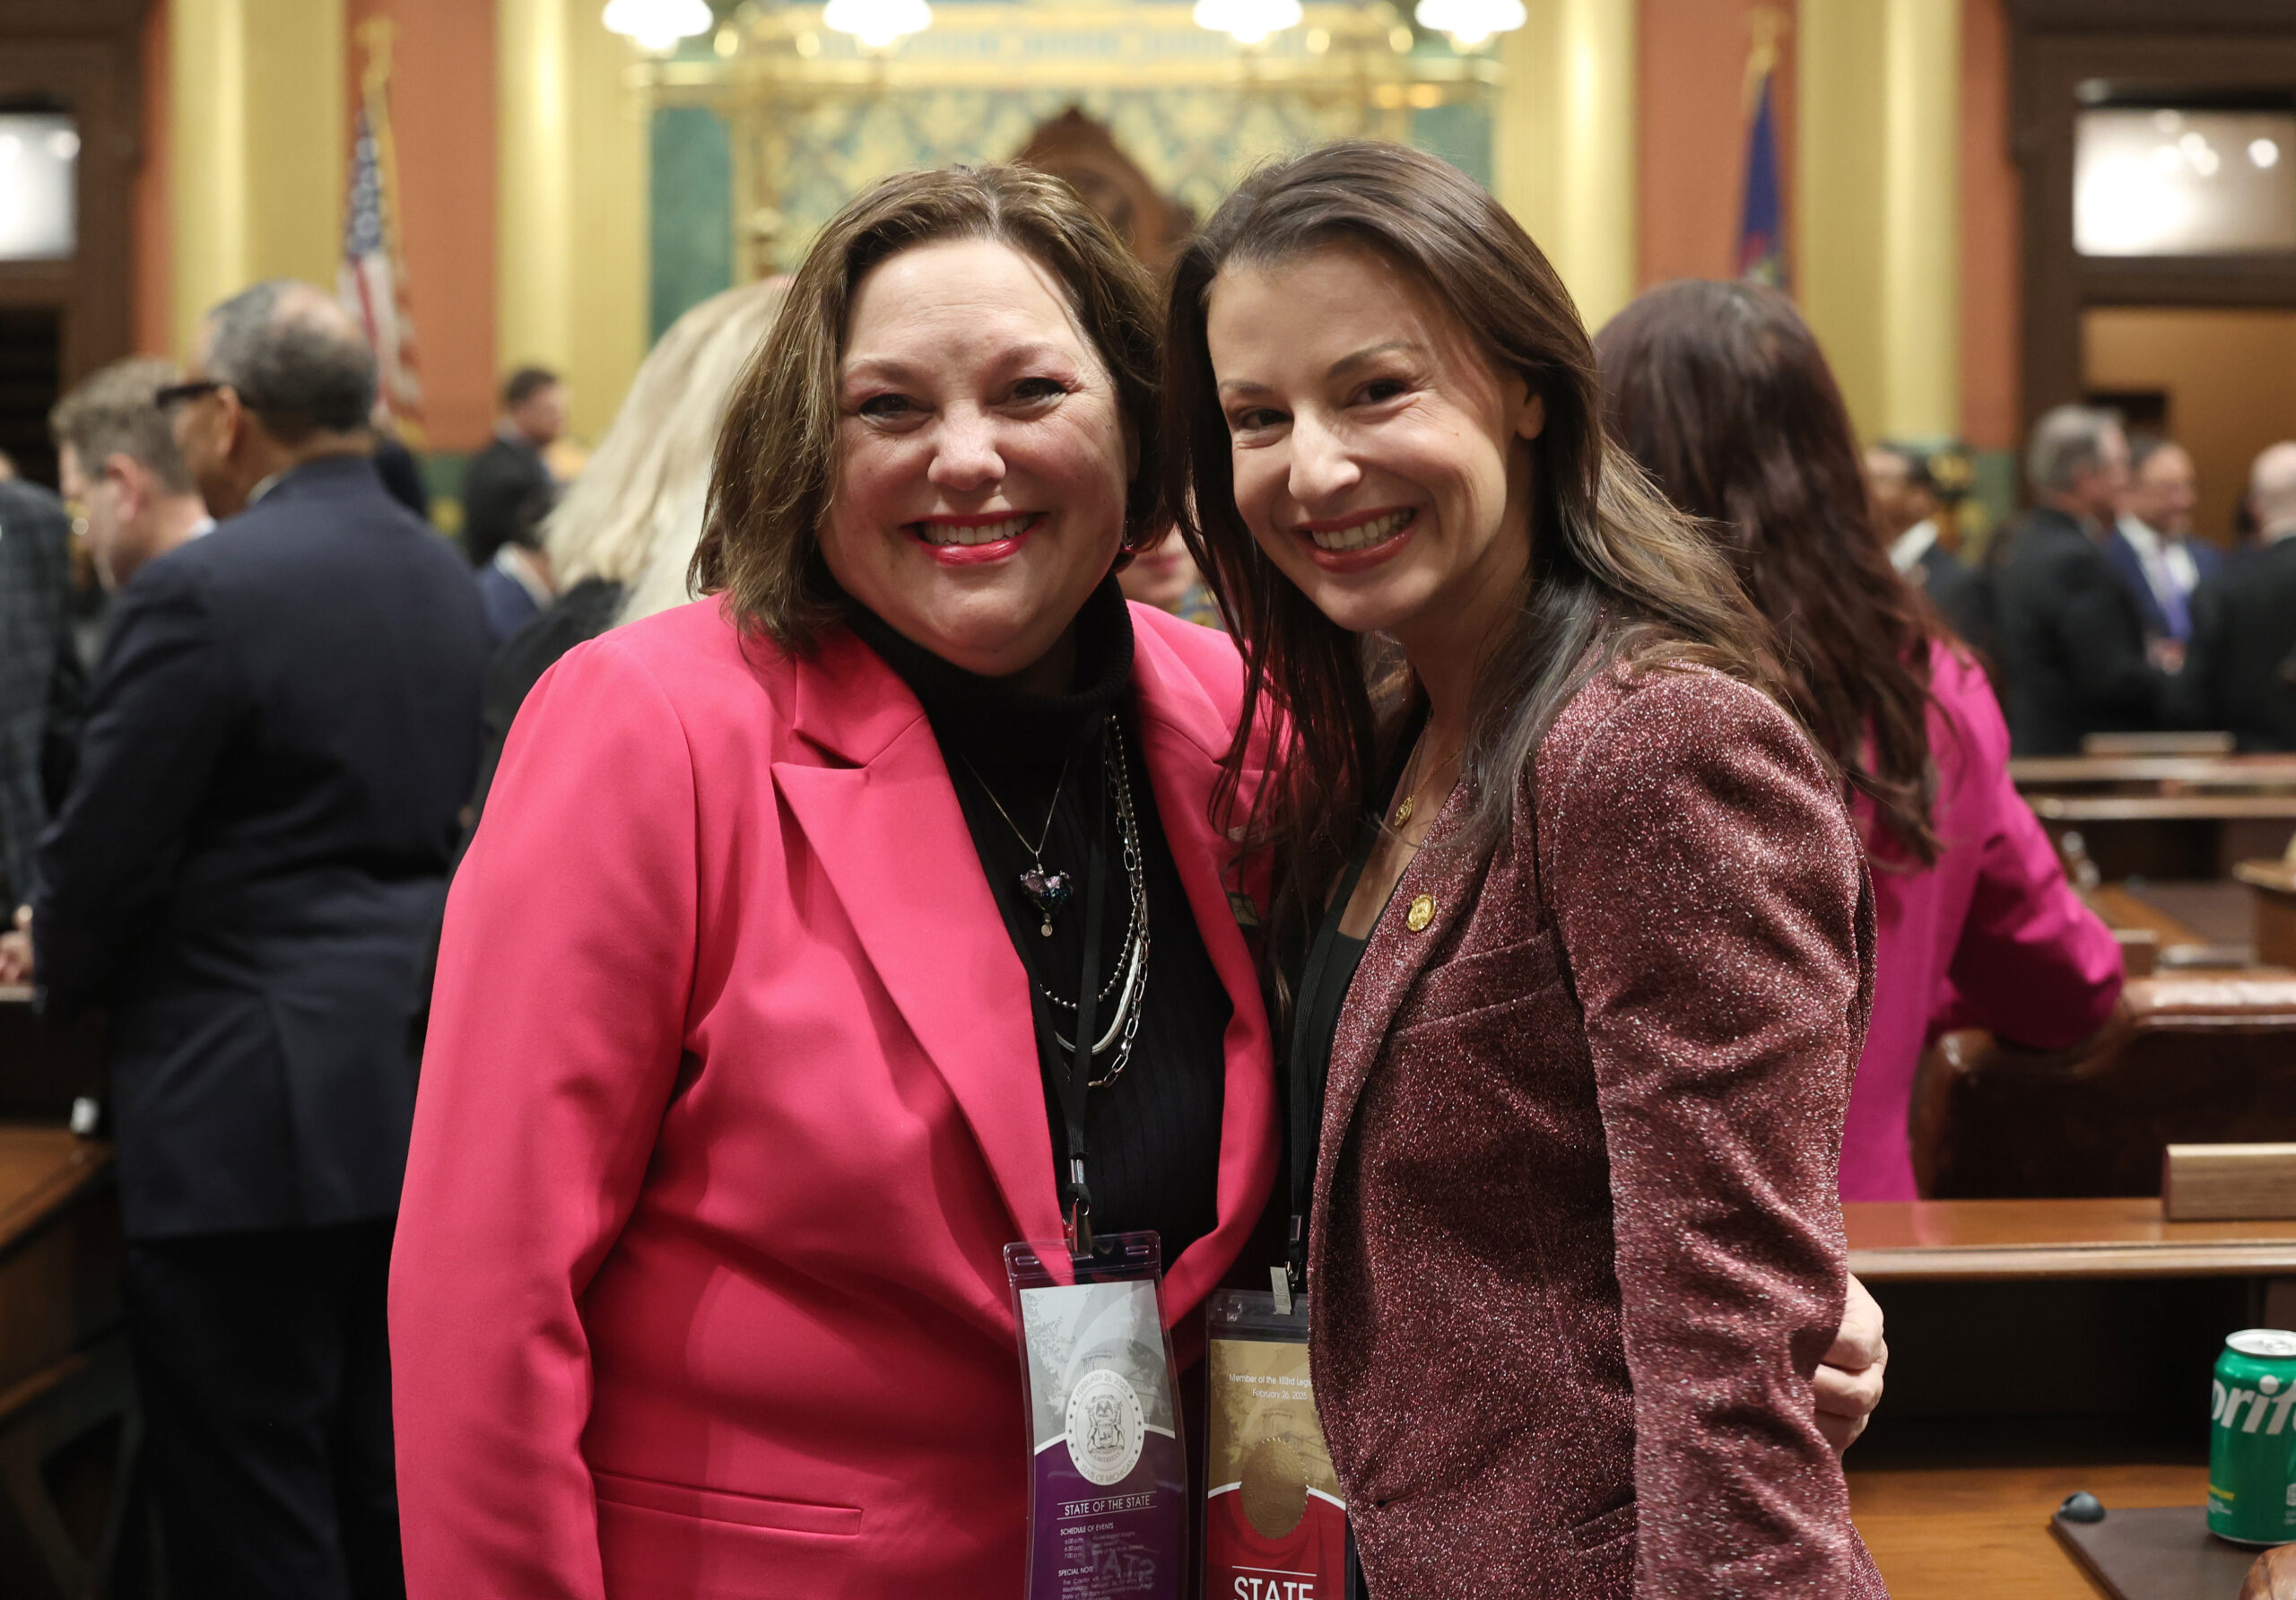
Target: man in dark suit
column 2151, row 545
column 509, row 475
column 2240, row 673
column 2072, row 642
column 41, row 681
column 283, row 727
column 1913, row 511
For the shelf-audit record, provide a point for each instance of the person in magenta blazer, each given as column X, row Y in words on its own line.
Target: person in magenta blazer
column 1723, row 395
column 1578, row 935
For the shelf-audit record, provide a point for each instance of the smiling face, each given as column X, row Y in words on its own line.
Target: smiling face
column 982, row 459
column 1378, row 460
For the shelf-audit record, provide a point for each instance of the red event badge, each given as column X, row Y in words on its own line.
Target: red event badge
column 1275, row 1526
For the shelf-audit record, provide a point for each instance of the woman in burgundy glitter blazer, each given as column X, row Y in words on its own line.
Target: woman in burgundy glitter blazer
column 1582, row 937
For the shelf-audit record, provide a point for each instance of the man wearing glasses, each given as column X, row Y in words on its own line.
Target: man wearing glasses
column 282, row 730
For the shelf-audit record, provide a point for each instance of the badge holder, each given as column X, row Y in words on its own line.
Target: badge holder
column 1275, row 1523
column 1107, row 1479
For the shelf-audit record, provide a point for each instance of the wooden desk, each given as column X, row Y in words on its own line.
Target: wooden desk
column 1973, row 1532
column 2213, row 771
column 2164, row 816
column 59, row 1247
column 1957, row 1506
column 1961, row 1241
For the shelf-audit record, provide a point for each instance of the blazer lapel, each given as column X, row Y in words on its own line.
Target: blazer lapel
column 1393, row 960
column 892, row 840
column 1182, row 736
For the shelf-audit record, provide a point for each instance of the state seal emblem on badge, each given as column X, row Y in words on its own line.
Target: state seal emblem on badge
column 1105, row 1427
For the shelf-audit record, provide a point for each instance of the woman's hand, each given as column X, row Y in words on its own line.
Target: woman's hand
column 1848, row 1384
column 16, row 948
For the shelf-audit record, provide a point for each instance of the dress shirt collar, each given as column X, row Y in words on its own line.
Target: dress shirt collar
column 1909, row 547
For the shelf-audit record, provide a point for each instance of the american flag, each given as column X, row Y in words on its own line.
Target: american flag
column 372, row 282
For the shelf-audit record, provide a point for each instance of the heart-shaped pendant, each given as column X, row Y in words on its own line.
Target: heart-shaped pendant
column 1047, row 893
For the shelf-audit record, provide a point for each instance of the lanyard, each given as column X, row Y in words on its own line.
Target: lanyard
column 1072, row 1078
column 1074, row 1084
column 1311, row 1057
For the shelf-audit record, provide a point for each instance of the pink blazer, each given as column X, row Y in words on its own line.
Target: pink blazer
column 730, row 1106
column 1991, row 936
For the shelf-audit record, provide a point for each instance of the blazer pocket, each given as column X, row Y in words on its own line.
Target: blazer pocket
column 1475, row 981
column 725, row 1505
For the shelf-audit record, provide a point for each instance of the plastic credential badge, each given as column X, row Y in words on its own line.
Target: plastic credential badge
column 1275, row 1526
column 1107, row 1481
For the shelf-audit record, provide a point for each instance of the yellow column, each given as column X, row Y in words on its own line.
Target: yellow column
column 1565, row 147
column 570, row 289
column 1921, row 277
column 259, row 145
column 1879, row 273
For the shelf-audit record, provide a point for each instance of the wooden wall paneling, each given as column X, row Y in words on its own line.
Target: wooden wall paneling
column 87, row 55
column 2165, row 46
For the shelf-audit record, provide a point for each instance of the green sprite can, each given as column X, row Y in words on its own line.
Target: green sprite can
column 2252, row 1440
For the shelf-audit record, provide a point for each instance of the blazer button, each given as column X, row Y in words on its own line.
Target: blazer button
column 1422, row 913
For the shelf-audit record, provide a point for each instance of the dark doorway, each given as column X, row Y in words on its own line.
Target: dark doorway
column 31, row 376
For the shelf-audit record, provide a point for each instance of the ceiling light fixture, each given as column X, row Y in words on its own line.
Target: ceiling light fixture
column 658, row 25
column 1471, row 23
column 877, row 23
column 1247, row 22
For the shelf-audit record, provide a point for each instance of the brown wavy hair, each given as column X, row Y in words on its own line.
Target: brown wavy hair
column 776, row 466
column 1616, row 572
column 1722, row 393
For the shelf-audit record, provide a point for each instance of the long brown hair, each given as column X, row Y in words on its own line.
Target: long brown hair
column 776, row 464
column 1722, row 393
column 1615, row 571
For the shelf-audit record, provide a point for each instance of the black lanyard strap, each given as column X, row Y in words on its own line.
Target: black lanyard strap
column 1072, row 1080
column 1311, row 1055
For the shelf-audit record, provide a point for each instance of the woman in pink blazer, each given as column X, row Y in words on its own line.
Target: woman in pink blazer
column 1720, row 392
column 732, row 1096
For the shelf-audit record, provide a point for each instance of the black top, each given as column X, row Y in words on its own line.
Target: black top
column 1153, row 1135
column 1326, row 975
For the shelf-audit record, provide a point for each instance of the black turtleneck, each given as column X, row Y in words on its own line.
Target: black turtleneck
column 1152, row 1136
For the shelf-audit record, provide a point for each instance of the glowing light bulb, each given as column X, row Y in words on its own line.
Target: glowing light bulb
column 877, row 23
column 656, row 25
column 1471, row 23
column 1247, row 22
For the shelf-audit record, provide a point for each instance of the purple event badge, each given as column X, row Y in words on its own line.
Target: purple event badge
column 1107, row 1501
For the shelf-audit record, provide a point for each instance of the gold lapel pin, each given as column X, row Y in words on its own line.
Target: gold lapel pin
column 1422, row 913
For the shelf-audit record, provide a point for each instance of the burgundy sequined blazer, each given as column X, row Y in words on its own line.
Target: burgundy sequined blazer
column 1577, row 1248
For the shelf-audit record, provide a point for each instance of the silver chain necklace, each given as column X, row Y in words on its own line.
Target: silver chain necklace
column 1051, row 891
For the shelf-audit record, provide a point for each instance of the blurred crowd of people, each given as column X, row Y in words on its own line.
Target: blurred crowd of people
column 2101, row 610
